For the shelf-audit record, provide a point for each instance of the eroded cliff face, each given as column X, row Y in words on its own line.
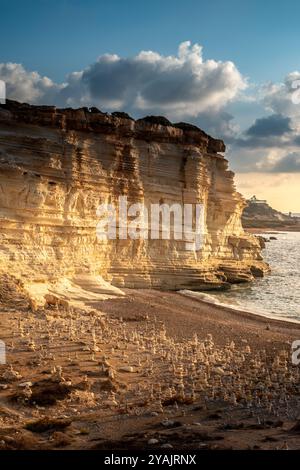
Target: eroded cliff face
column 57, row 166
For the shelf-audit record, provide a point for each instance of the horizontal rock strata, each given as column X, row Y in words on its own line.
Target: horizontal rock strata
column 58, row 165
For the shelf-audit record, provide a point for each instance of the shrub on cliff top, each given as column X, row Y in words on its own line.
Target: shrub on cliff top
column 122, row 115
column 157, row 120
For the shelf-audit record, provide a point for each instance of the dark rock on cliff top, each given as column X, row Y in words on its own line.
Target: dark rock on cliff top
column 216, row 145
column 156, row 120
column 185, row 126
column 93, row 120
column 122, row 115
column 95, row 110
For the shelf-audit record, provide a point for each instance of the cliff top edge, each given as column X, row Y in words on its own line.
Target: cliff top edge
column 156, row 128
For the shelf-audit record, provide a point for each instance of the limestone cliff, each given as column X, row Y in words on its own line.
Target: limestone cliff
column 58, row 165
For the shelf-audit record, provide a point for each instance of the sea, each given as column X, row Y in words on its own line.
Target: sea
column 277, row 295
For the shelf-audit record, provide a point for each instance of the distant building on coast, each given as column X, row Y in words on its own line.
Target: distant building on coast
column 296, row 215
column 254, row 200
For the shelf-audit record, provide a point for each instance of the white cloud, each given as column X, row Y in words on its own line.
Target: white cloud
column 179, row 86
column 280, row 97
column 22, row 85
column 271, row 143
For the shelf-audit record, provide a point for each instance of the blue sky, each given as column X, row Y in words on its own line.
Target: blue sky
column 56, row 36
column 233, row 77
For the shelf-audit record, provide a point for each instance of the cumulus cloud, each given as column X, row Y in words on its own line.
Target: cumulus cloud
column 30, row 87
column 218, row 123
column 276, row 159
column 271, row 143
column 272, row 131
column 287, row 164
column 283, row 98
column 185, row 86
column 179, row 86
column 274, row 125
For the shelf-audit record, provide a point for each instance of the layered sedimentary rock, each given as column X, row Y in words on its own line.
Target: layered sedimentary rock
column 58, row 165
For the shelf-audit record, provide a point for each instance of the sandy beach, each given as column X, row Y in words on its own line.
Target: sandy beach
column 130, row 386
column 185, row 316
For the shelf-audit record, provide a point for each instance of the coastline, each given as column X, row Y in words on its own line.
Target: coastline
column 184, row 315
column 271, row 230
column 206, row 298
